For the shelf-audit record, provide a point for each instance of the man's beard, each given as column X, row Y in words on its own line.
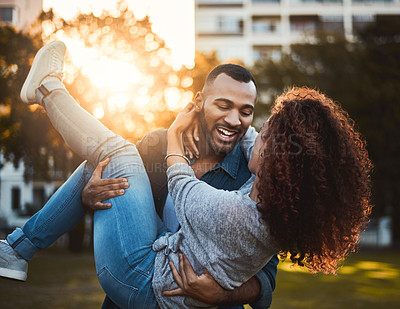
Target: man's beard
column 211, row 144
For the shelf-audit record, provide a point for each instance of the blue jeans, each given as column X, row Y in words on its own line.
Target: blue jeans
column 123, row 234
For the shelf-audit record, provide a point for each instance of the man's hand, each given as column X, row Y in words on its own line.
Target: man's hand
column 203, row 287
column 98, row 190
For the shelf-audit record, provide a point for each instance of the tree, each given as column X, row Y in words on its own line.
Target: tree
column 151, row 100
column 151, row 95
column 25, row 132
column 196, row 76
column 363, row 77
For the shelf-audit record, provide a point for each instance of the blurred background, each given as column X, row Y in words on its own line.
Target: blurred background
column 134, row 64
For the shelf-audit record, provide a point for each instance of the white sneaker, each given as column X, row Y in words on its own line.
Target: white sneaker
column 49, row 61
column 11, row 264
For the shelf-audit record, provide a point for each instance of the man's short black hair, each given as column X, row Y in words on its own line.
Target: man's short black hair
column 234, row 71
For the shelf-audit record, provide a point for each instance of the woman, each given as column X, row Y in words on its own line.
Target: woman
column 309, row 196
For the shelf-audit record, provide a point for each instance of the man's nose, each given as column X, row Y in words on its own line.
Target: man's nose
column 233, row 118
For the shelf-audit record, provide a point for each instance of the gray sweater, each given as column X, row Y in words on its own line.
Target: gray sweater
column 220, row 231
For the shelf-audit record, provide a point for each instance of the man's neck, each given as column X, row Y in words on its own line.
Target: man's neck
column 207, row 159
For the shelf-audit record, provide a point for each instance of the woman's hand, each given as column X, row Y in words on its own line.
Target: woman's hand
column 190, row 137
column 182, row 123
column 203, row 287
column 185, row 119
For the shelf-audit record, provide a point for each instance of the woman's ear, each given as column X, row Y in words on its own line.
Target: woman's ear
column 198, row 101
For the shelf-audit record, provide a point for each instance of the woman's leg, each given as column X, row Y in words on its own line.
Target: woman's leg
column 123, row 234
column 85, row 135
column 59, row 215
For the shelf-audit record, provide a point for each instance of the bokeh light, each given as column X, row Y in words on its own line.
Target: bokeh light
column 120, row 70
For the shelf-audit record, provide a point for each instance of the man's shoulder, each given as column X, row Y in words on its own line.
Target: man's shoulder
column 153, row 143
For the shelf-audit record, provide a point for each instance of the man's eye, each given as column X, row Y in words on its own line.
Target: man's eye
column 223, row 107
column 247, row 113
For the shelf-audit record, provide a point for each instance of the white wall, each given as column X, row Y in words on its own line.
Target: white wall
column 26, row 11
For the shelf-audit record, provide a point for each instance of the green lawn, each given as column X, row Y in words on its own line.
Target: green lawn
column 366, row 280
column 58, row 279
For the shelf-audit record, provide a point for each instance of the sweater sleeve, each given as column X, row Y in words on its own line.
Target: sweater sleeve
column 196, row 199
column 181, row 181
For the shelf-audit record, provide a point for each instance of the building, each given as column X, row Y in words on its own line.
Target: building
column 250, row 29
column 20, row 13
column 19, row 199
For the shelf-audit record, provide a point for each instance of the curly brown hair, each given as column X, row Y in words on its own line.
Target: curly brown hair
column 314, row 180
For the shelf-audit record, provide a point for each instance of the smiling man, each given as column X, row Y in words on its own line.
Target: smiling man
column 227, row 110
column 226, row 105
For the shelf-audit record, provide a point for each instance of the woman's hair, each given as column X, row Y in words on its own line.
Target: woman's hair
column 314, row 180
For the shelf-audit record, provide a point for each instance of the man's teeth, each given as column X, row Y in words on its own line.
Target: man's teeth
column 226, row 132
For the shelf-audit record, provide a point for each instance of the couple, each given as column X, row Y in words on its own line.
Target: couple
column 308, row 195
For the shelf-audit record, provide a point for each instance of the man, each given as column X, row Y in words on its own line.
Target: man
column 226, row 106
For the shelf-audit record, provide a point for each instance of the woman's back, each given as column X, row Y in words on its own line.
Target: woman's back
column 220, row 231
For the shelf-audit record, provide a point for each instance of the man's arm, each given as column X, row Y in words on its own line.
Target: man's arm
column 267, row 280
column 257, row 291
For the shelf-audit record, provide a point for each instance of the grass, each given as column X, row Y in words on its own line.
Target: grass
column 56, row 279
column 366, row 280
column 59, row 279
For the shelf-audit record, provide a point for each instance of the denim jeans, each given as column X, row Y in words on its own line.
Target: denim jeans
column 123, row 234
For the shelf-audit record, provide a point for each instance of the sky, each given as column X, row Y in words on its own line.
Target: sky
column 173, row 20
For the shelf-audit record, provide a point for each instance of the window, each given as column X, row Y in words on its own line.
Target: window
column 230, row 24
column 219, row 2
column 15, row 198
column 219, row 25
column 332, row 23
column 266, row 24
column 362, row 21
column 304, row 23
column 38, row 198
column 316, row 1
column 369, row 1
column 7, row 14
column 267, row 52
column 270, row 1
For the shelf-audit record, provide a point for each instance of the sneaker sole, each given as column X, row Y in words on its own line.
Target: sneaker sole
column 28, row 80
column 13, row 274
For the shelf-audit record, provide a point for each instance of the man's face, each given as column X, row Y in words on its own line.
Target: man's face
column 227, row 112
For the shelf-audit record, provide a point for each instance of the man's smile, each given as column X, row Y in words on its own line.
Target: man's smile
column 226, row 135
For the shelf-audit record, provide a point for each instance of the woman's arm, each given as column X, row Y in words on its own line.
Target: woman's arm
column 175, row 150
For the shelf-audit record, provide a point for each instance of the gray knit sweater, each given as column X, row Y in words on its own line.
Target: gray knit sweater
column 220, row 231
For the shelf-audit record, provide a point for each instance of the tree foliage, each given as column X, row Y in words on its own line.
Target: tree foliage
column 25, row 132
column 364, row 77
column 153, row 92
column 151, row 99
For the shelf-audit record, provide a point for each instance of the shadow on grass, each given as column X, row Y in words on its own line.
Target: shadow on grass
column 59, row 279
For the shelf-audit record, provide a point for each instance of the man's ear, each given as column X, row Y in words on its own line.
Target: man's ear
column 198, row 101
